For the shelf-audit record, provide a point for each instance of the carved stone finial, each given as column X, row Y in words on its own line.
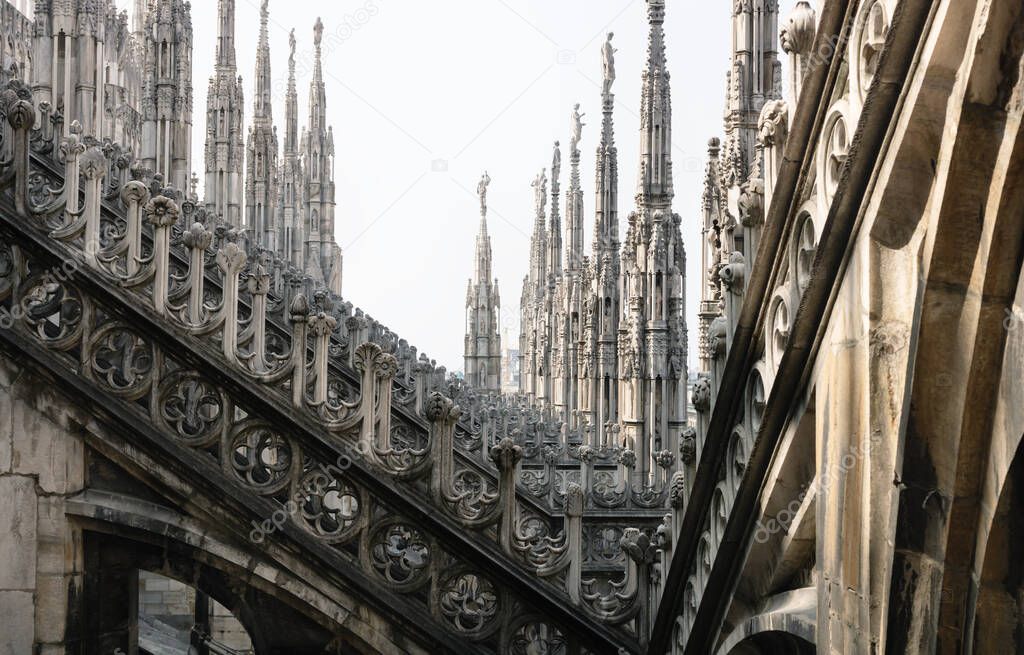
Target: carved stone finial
column 506, row 454
column 438, row 407
column 16, row 101
column 162, row 211
column 637, row 545
column 93, row 165
column 574, row 500
column 299, row 309
column 197, row 237
column 701, row 396
column 677, row 490
column 797, row 37
column 231, row 258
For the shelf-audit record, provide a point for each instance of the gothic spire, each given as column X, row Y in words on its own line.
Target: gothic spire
column 317, row 89
column 482, row 272
column 754, row 78
column 291, row 103
column 483, row 339
column 538, row 243
column 654, row 186
column 554, row 256
column 263, row 101
column 606, row 224
column 226, row 35
column 574, row 199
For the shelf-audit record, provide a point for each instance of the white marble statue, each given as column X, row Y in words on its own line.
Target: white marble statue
column 608, row 57
column 577, row 128
column 481, row 190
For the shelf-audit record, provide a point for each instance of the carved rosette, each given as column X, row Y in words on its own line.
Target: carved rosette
column 400, row 554
column 469, row 603
column 161, row 211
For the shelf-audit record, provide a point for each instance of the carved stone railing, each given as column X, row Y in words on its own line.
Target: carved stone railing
column 200, row 285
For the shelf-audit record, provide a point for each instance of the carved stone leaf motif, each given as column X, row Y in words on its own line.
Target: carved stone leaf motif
column 122, row 361
column 538, row 638
column 330, row 506
column 400, row 554
column 469, row 603
column 53, row 310
column 261, row 458
column 191, row 408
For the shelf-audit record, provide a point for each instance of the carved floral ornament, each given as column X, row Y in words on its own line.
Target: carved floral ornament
column 797, row 37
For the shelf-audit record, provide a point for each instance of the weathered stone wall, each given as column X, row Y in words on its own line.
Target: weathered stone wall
column 41, row 464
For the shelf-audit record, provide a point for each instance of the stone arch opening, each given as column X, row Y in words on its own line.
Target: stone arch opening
column 107, row 617
column 773, row 642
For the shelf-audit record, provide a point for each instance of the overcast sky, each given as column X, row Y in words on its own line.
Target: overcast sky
column 424, row 96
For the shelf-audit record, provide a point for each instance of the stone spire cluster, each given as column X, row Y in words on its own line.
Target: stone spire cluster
column 652, row 333
column 129, row 83
column 603, row 340
column 225, row 152
column 734, row 168
column 288, row 194
column 281, row 198
column 323, row 255
column 483, row 307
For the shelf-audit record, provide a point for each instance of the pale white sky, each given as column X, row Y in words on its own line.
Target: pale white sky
column 424, row 96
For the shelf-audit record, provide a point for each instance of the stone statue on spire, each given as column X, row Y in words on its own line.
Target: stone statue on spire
column 540, row 190
column 608, row 57
column 481, row 190
column 318, row 32
column 291, row 48
column 556, row 164
column 577, row 128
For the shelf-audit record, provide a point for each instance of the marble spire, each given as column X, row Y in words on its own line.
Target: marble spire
column 225, row 149
column 754, row 78
column 654, row 184
column 262, row 151
column 483, row 336
column 539, row 240
column 226, row 35
column 574, row 200
column 292, row 241
column 263, row 98
column 323, row 255
column 606, row 223
column 554, row 254
column 652, row 335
